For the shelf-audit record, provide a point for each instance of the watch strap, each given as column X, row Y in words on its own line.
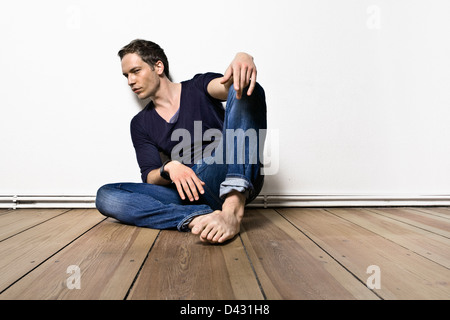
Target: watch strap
column 164, row 174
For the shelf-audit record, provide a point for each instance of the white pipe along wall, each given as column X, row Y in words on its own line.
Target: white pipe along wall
column 357, row 92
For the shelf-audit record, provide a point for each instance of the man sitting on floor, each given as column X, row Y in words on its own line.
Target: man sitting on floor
column 205, row 183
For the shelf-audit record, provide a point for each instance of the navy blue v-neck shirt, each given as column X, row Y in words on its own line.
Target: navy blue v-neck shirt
column 151, row 134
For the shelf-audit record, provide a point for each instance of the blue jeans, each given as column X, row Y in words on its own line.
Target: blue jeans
column 160, row 207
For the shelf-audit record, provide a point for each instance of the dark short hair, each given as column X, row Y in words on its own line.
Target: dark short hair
column 149, row 52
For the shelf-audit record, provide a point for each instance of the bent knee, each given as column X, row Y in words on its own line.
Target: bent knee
column 105, row 198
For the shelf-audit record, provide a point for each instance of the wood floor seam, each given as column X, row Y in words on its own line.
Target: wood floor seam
column 253, row 269
column 140, row 268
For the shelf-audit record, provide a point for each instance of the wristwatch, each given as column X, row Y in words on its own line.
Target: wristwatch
column 164, row 174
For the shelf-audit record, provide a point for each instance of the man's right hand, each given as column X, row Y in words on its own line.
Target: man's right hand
column 185, row 179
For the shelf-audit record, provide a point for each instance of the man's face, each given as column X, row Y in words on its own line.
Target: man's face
column 143, row 80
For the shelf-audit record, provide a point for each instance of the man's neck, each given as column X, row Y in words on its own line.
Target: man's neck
column 168, row 95
column 167, row 99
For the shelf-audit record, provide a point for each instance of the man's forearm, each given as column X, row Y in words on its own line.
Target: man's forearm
column 154, row 177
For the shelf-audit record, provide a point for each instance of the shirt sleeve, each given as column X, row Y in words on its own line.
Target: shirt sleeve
column 147, row 153
column 202, row 81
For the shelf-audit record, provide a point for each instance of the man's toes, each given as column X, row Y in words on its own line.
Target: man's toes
column 217, row 237
column 206, row 231
column 214, row 237
column 200, row 225
column 222, row 239
column 226, row 237
column 211, row 234
column 196, row 229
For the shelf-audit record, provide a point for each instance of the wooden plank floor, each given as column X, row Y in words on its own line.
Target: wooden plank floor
column 286, row 253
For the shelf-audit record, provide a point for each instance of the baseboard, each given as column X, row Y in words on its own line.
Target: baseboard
column 47, row 201
column 347, row 200
column 266, row 201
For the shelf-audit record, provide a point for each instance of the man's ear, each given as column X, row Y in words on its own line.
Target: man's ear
column 159, row 67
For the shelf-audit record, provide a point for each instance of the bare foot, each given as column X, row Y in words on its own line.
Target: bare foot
column 221, row 225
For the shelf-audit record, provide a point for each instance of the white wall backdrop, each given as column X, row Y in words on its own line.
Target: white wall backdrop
column 358, row 90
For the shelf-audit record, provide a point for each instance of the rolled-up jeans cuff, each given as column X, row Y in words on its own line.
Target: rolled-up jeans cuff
column 235, row 183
